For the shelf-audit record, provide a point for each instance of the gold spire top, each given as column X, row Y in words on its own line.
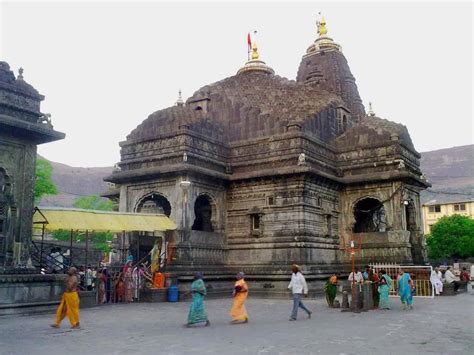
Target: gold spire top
column 255, row 54
column 323, row 43
column 322, row 30
column 254, row 63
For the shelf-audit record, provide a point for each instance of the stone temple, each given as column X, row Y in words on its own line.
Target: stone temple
column 259, row 171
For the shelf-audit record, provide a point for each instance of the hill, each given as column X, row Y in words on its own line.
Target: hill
column 73, row 182
column 451, row 172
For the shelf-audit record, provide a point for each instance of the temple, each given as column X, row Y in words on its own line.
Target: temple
column 259, row 171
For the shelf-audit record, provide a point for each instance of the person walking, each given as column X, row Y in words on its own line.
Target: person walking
column 405, row 289
column 197, row 313
column 330, row 289
column 69, row 305
column 384, row 290
column 298, row 287
column 240, row 293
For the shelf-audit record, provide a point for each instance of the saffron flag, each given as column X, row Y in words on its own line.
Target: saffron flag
column 249, row 41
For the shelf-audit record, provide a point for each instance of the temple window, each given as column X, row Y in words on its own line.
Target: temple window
column 203, row 213
column 155, row 204
column 369, row 214
column 270, row 200
column 255, row 221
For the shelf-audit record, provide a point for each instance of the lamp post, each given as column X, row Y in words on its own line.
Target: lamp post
column 353, row 249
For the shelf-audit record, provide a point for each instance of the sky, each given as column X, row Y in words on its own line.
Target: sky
column 105, row 66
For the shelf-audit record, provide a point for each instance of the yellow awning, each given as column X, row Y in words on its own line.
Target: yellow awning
column 100, row 221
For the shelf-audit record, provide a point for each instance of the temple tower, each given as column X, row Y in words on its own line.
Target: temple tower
column 325, row 66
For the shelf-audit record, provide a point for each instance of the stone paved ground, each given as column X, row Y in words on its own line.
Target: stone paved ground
column 440, row 326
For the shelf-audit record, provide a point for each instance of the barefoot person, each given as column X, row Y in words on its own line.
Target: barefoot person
column 197, row 313
column 298, row 287
column 238, row 311
column 69, row 305
column 405, row 289
column 384, row 290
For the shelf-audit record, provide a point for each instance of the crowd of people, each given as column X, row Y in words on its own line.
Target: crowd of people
column 124, row 291
column 449, row 278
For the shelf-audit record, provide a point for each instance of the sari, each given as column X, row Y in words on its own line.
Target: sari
column 197, row 313
column 375, row 290
column 384, row 291
column 238, row 311
column 330, row 289
column 69, row 307
column 404, row 289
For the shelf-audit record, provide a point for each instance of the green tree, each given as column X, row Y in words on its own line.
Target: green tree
column 100, row 240
column 44, row 184
column 451, row 236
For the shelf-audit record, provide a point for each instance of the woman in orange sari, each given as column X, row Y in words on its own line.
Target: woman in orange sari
column 238, row 311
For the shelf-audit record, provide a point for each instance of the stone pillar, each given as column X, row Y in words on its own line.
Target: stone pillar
column 368, row 303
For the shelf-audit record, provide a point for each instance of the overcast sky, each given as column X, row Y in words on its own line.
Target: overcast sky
column 104, row 67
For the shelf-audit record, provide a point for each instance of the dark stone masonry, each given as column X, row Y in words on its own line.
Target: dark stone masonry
column 280, row 171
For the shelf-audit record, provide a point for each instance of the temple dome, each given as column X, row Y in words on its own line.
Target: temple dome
column 245, row 106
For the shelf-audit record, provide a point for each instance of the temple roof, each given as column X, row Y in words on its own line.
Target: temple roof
column 375, row 130
column 251, row 104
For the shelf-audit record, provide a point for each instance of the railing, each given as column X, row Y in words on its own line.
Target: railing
column 419, row 274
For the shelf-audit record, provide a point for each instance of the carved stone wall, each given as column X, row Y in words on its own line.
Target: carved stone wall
column 18, row 160
column 298, row 221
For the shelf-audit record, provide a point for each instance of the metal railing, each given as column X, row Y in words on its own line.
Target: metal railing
column 419, row 274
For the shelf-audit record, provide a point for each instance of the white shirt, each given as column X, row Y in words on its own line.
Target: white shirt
column 449, row 276
column 358, row 277
column 436, row 276
column 298, row 283
column 88, row 277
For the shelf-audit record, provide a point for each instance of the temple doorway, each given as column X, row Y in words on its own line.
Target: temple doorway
column 369, row 214
column 203, row 214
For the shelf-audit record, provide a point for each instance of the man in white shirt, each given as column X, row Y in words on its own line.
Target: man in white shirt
column 451, row 278
column 89, row 278
column 435, row 279
column 298, row 287
column 359, row 278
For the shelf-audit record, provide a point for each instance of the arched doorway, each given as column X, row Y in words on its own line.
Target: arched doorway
column 369, row 214
column 154, row 204
column 203, row 214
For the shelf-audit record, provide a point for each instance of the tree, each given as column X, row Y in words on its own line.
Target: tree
column 100, row 240
column 451, row 236
column 44, row 184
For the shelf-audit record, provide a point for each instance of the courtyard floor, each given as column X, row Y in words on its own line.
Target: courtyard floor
column 444, row 325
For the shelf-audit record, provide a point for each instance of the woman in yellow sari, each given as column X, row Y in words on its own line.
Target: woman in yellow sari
column 238, row 311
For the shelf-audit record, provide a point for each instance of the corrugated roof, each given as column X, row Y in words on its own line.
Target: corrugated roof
column 77, row 219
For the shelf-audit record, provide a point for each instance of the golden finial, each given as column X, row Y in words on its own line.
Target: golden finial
column 322, row 30
column 255, row 54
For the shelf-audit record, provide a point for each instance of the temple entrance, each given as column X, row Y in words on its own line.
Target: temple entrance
column 369, row 214
column 155, row 204
column 203, row 213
